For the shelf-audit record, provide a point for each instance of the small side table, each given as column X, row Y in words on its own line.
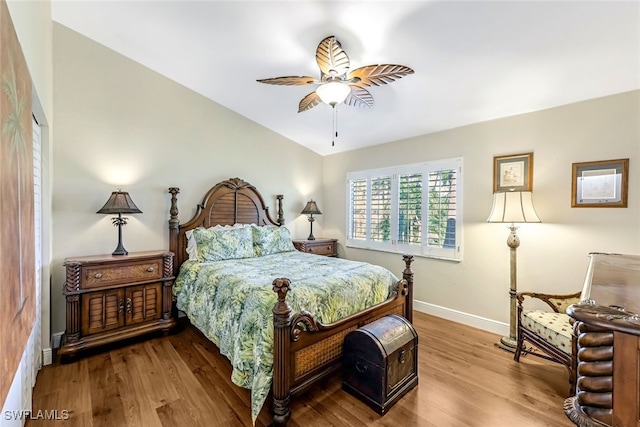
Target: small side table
column 319, row 246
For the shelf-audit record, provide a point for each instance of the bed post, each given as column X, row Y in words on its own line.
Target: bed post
column 407, row 275
column 281, row 353
column 280, row 211
column 174, row 227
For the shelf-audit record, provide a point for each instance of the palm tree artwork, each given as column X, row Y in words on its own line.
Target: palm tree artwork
column 16, row 170
column 17, row 234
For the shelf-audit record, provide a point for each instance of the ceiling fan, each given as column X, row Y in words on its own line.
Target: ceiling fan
column 336, row 83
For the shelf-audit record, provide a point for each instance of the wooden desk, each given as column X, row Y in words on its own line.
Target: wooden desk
column 608, row 339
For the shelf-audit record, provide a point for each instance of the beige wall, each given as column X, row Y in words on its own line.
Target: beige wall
column 118, row 124
column 553, row 255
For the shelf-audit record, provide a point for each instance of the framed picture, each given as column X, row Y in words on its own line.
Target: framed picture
column 601, row 184
column 513, row 173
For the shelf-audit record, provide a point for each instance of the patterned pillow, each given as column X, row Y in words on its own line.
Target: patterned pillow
column 217, row 244
column 271, row 239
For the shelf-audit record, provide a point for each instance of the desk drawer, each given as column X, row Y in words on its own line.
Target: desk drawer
column 101, row 275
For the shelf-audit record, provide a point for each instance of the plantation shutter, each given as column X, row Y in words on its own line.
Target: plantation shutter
column 414, row 209
column 358, row 209
column 410, row 209
column 381, row 209
column 442, row 208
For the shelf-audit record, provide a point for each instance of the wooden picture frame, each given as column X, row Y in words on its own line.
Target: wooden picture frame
column 601, row 184
column 513, row 173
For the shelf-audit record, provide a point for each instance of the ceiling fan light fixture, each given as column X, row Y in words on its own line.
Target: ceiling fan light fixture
column 333, row 93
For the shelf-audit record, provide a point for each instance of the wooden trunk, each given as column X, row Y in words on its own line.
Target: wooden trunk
column 381, row 362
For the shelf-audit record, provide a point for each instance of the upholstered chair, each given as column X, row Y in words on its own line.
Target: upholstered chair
column 549, row 330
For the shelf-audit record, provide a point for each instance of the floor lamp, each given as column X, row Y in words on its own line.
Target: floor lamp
column 512, row 207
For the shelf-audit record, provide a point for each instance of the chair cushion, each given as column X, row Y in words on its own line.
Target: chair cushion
column 552, row 327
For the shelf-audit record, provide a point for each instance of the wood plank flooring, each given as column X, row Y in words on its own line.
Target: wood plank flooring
column 182, row 380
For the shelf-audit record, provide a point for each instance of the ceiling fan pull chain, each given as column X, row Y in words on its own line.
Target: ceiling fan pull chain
column 334, row 132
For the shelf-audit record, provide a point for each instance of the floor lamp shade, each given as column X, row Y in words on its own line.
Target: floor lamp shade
column 512, row 207
column 119, row 203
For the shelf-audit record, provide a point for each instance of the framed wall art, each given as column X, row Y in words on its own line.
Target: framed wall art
column 513, row 173
column 17, row 238
column 601, row 184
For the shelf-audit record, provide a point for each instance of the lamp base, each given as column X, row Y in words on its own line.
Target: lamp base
column 120, row 251
column 311, row 237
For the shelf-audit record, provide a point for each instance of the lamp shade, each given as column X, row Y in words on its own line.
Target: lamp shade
column 311, row 209
column 513, row 206
column 119, row 202
column 333, row 93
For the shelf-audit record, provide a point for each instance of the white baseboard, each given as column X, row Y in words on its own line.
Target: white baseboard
column 56, row 339
column 483, row 323
column 47, row 356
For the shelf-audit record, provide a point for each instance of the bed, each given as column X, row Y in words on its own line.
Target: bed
column 302, row 346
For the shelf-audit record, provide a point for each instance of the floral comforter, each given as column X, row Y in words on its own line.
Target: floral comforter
column 231, row 302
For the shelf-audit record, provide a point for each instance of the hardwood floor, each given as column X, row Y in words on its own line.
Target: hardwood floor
column 464, row 380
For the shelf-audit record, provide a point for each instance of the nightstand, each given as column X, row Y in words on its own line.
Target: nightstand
column 115, row 297
column 319, row 246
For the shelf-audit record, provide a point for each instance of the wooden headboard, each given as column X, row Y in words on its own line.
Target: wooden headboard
column 233, row 201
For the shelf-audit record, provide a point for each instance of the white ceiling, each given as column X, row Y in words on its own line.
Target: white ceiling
column 474, row 61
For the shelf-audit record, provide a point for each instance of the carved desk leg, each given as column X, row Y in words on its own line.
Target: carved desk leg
column 593, row 403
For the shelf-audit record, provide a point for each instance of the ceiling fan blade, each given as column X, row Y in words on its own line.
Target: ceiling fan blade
column 290, row 81
column 379, row 74
column 308, row 102
column 330, row 57
column 359, row 97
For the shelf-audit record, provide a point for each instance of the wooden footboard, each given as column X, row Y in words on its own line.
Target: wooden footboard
column 306, row 351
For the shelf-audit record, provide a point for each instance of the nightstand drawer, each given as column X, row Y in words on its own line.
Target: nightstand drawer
column 324, row 249
column 320, row 246
column 102, row 275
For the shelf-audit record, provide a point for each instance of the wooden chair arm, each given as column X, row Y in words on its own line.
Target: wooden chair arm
column 555, row 301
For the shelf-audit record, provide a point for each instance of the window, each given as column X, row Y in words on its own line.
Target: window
column 415, row 209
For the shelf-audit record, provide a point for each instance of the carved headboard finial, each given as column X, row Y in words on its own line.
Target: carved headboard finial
column 237, row 184
column 280, row 219
column 173, row 211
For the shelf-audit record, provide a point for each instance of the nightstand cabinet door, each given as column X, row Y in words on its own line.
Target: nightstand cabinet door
column 102, row 311
column 144, row 303
column 111, row 298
